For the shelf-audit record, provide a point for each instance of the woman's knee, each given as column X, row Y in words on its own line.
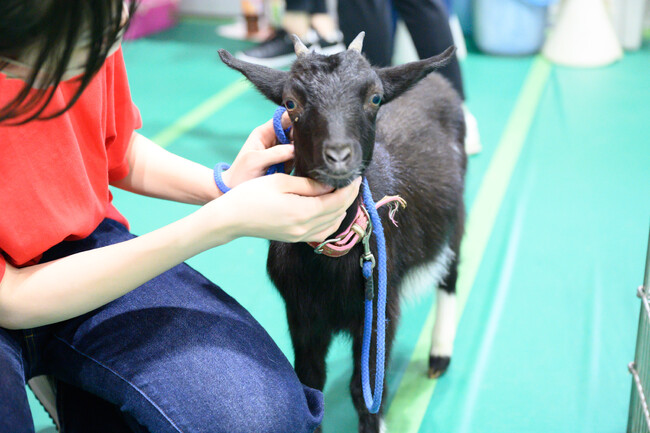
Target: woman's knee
column 241, row 393
column 273, row 407
column 246, row 393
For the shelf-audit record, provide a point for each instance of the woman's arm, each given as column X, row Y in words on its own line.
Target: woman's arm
column 278, row 207
column 155, row 172
column 62, row 289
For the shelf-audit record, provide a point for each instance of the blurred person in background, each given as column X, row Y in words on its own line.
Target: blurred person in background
column 426, row 20
column 311, row 22
column 428, row 24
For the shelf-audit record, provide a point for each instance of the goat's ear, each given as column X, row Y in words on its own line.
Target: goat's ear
column 268, row 81
column 398, row 79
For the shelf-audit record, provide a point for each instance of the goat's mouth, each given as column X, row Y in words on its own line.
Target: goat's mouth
column 335, row 180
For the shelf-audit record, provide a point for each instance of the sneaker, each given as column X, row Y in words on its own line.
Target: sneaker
column 472, row 137
column 44, row 389
column 329, row 46
column 275, row 52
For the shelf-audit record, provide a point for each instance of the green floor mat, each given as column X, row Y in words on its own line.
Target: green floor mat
column 548, row 329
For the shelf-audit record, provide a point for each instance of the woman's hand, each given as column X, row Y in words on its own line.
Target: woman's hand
column 258, row 153
column 283, row 208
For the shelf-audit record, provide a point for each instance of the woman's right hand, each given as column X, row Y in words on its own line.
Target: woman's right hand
column 282, row 208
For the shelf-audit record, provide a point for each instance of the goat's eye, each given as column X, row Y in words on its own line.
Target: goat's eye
column 376, row 99
column 290, row 104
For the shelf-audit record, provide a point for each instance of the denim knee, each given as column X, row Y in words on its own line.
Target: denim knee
column 273, row 407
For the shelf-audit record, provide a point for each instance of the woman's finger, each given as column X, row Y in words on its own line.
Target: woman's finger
column 301, row 186
column 325, row 231
column 276, row 154
column 343, row 197
column 265, row 134
column 325, row 204
column 285, row 120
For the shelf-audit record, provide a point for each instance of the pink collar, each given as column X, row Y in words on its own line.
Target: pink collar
column 342, row 243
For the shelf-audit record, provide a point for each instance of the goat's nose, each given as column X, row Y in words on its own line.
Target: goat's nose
column 338, row 155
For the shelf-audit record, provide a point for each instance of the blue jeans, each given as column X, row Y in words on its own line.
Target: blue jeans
column 174, row 355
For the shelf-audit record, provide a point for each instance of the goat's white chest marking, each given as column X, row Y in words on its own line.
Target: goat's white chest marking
column 422, row 279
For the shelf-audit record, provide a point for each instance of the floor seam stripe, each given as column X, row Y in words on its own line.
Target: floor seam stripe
column 197, row 115
column 414, row 393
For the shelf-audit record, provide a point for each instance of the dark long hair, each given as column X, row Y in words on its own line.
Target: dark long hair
column 52, row 28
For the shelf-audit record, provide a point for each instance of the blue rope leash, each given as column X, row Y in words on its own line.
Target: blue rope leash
column 282, row 135
column 283, row 138
column 374, row 402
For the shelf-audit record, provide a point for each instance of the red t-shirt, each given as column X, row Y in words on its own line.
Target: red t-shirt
column 54, row 174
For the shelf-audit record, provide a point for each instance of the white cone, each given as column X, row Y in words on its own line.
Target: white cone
column 583, row 36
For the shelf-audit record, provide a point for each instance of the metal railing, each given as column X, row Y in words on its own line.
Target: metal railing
column 639, row 417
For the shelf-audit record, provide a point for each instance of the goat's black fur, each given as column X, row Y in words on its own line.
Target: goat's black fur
column 412, row 146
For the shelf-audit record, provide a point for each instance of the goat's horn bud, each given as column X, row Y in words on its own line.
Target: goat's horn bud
column 299, row 47
column 357, row 43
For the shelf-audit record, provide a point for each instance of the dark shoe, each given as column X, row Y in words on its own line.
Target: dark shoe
column 275, row 52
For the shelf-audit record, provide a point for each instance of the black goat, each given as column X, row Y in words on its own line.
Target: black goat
column 417, row 138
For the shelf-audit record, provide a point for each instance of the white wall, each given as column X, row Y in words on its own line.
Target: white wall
column 211, row 7
column 222, row 7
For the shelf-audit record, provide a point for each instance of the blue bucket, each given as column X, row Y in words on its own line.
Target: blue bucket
column 510, row 27
column 463, row 9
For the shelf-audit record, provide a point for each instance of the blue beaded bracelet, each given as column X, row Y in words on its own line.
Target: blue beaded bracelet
column 218, row 170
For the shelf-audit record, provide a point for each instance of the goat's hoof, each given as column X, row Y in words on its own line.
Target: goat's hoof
column 438, row 365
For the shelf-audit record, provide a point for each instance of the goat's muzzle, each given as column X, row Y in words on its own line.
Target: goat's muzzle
column 341, row 162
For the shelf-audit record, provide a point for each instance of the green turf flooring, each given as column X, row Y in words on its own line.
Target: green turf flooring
column 549, row 325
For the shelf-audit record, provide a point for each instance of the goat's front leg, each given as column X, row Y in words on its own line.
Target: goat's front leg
column 370, row 423
column 311, row 341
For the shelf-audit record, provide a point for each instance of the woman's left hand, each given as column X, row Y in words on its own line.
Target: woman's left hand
column 258, row 153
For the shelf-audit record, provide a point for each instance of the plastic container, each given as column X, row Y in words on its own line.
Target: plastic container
column 464, row 10
column 510, row 27
column 152, row 16
column 627, row 16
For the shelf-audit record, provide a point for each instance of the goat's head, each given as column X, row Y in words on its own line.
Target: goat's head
column 333, row 103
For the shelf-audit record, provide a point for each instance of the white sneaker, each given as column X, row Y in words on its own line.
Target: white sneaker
column 44, row 389
column 472, row 137
column 458, row 37
column 330, row 45
column 277, row 51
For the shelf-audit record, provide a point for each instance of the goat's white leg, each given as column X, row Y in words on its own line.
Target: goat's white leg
column 444, row 332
